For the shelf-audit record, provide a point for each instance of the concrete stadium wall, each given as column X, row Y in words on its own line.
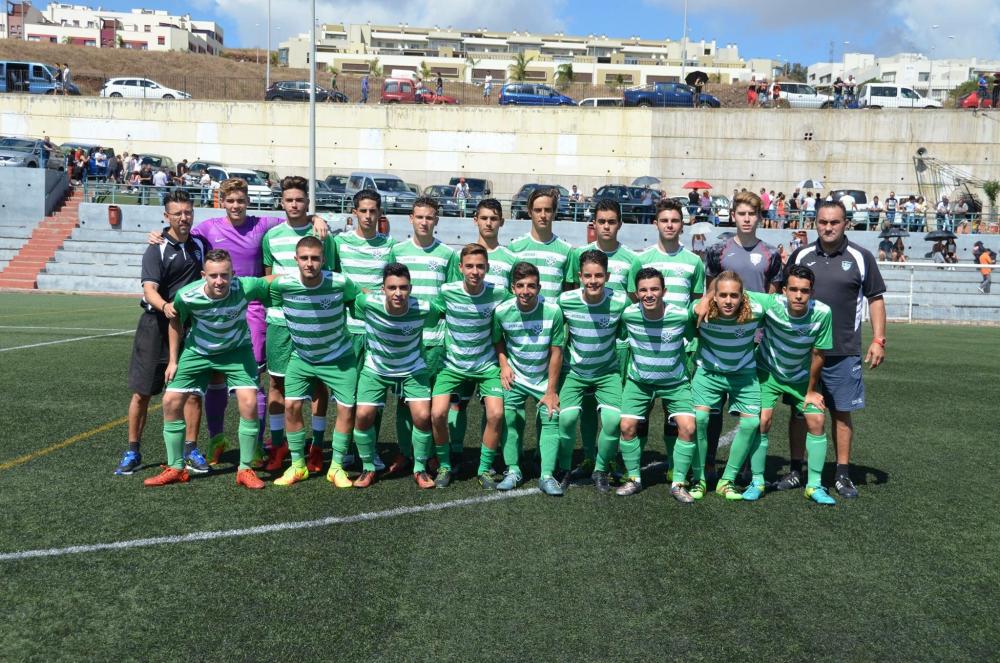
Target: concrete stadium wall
column 27, row 195
column 730, row 148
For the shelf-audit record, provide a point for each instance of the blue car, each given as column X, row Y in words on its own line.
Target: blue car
column 532, row 94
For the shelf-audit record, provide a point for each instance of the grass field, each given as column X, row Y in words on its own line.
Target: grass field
column 907, row 572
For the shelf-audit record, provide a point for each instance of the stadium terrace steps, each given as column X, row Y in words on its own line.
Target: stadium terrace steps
column 36, row 246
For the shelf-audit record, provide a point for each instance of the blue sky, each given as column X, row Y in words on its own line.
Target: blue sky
column 965, row 28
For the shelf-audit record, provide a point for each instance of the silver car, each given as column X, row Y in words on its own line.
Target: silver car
column 30, row 153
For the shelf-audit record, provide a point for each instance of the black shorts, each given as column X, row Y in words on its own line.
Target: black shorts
column 150, row 354
column 843, row 385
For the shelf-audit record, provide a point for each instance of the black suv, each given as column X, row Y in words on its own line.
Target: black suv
column 299, row 91
column 630, row 198
column 565, row 211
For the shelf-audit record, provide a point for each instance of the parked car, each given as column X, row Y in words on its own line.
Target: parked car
column 30, row 153
column 139, row 88
column 299, row 91
column 859, row 216
column 532, row 94
column 630, row 198
column 407, row 91
column 667, row 95
column 396, row 197
column 325, row 197
column 479, row 188
column 196, row 169
column 444, row 194
column 427, row 96
column 261, row 195
column 30, row 77
column 601, row 102
column 337, row 183
column 800, row 95
column 86, row 146
column 565, row 211
column 158, row 161
column 972, row 100
column 882, row 95
column 721, row 207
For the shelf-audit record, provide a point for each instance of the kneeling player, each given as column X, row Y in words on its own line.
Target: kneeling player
column 217, row 342
column 469, row 360
column 656, row 331
column 394, row 323
column 790, row 363
column 528, row 335
column 312, row 302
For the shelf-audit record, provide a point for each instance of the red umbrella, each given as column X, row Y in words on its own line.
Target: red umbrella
column 697, row 184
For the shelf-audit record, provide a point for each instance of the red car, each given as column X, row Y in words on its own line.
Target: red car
column 971, row 100
column 405, row 91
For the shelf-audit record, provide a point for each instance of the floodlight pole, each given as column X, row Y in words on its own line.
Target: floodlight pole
column 312, row 106
column 267, row 65
column 684, row 42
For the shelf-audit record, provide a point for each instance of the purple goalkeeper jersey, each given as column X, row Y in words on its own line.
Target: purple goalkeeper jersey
column 243, row 242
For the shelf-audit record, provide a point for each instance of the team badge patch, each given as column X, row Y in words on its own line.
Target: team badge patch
column 846, row 264
column 755, row 259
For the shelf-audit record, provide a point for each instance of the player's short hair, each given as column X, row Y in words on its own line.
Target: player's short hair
column 649, row 273
column 295, row 182
column 218, row 255
column 747, row 198
column 596, row 257
column 309, row 242
column 395, row 269
column 834, row 204
column 367, row 194
column 426, row 201
column 543, row 192
column 669, row 204
column 491, row 204
column 232, row 185
column 177, row 196
column 608, row 205
column 522, row 270
column 473, row 250
column 801, row 272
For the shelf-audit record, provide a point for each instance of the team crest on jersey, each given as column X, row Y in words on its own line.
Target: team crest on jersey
column 378, row 254
column 496, row 269
column 406, row 330
column 667, row 335
column 755, row 259
column 605, row 321
column 232, row 314
column 534, row 330
column 327, row 302
column 846, row 264
column 551, row 260
column 803, row 330
column 740, row 332
column 435, row 265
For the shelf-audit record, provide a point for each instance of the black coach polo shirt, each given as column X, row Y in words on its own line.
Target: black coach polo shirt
column 171, row 266
column 845, row 277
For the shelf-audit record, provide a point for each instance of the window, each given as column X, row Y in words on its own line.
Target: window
column 392, row 87
column 160, row 41
column 924, row 76
column 888, row 77
column 708, row 51
column 884, row 91
column 147, row 28
column 909, row 94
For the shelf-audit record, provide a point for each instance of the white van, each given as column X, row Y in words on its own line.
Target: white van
column 601, row 102
column 881, row 95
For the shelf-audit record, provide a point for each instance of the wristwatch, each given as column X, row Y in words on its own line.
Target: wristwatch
column 880, row 340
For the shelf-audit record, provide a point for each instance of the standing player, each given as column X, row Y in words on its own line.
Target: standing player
column 313, row 307
column 394, row 323
column 846, row 274
column 166, row 268
column 541, row 247
column 592, row 315
column 529, row 335
column 656, row 331
column 361, row 256
column 469, row 360
column 218, row 342
column 431, row 264
column 789, row 360
column 278, row 249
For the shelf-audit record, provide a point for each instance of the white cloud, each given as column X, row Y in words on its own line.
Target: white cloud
column 292, row 16
column 966, row 28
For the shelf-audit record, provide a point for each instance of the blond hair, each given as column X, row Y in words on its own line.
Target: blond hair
column 745, row 313
column 232, row 185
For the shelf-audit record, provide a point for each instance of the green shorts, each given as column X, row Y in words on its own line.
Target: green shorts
column 690, row 352
column 278, row 348
column 340, row 376
column 638, row 397
column 623, row 351
column 194, row 370
column 434, row 358
column 451, row 381
column 372, row 386
column 709, row 388
column 771, row 389
column 358, row 344
column 515, row 397
column 607, row 388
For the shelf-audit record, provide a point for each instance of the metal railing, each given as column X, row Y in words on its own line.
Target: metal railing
column 971, row 222
column 907, row 296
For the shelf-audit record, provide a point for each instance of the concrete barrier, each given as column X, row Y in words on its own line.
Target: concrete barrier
column 28, row 195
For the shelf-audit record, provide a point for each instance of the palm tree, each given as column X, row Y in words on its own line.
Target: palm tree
column 519, row 70
column 618, row 82
column 992, row 189
column 375, row 69
column 564, row 75
column 425, row 71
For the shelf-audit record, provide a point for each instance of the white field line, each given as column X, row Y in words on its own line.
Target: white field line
column 213, row 535
column 65, row 340
column 91, row 329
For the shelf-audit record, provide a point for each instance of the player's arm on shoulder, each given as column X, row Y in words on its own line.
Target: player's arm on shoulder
column 699, row 307
column 358, row 308
column 258, row 288
column 351, row 290
column 320, row 227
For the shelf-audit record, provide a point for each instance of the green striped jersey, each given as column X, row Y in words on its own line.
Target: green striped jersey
column 278, row 248
column 727, row 346
column 430, row 268
column 468, row 325
column 592, row 331
column 551, row 258
column 218, row 325
column 657, row 354
column 316, row 316
column 393, row 346
column 501, row 262
column 362, row 260
column 529, row 337
column 683, row 273
column 786, row 349
column 621, row 263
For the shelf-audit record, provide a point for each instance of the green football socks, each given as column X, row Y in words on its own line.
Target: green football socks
column 746, row 441
column 365, row 441
column 248, row 430
column 297, row 446
column 173, row 440
column 815, row 458
column 758, row 459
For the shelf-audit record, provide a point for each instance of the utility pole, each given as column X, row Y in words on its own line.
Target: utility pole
column 267, row 65
column 684, row 43
column 312, row 106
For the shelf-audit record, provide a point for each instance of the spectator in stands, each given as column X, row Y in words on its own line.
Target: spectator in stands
column 984, row 256
column 795, row 242
column 135, row 182
column 783, row 253
column 942, row 214
column 698, row 246
column 694, row 202
column 182, row 168
column 961, row 216
column 950, row 253
column 996, row 89
column 161, row 180
column 937, row 253
column 898, row 251
column 114, row 168
column 921, row 214
column 808, row 210
column 752, row 92
column 781, row 210
column 874, row 213
column 891, row 204
column 574, row 195
column 100, row 164
column 910, row 212
column 206, row 188
column 885, row 249
column 704, row 206
column 838, row 93
column 364, row 89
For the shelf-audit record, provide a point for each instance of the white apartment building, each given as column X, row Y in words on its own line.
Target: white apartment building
column 140, row 29
column 931, row 78
column 471, row 54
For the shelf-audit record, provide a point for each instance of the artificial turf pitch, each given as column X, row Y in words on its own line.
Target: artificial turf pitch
column 907, row 572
